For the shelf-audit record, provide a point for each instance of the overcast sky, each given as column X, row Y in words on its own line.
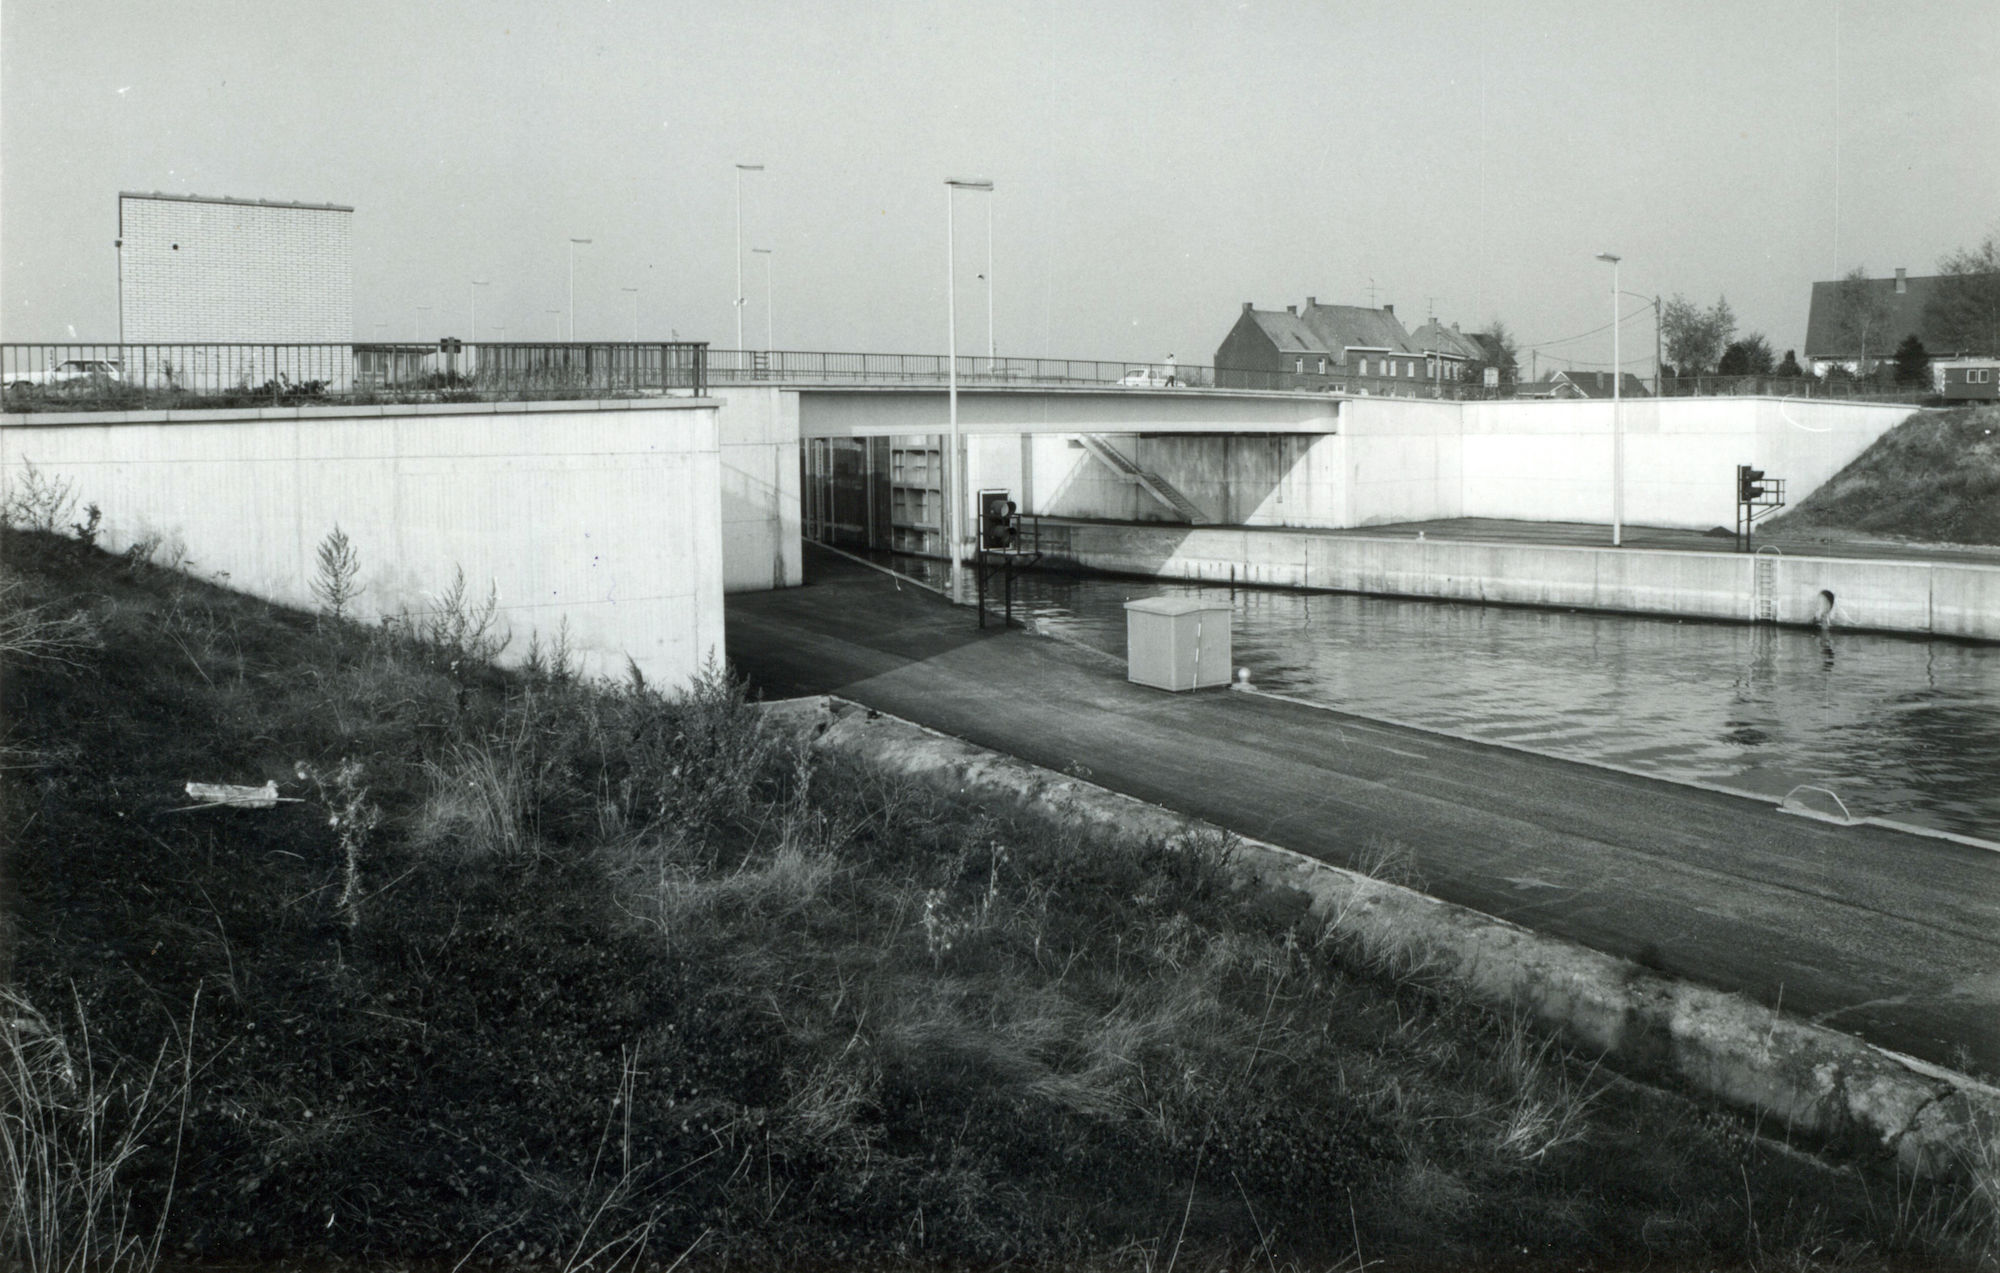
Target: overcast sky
column 1157, row 164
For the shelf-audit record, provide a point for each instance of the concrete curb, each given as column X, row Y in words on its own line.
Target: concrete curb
column 1823, row 1085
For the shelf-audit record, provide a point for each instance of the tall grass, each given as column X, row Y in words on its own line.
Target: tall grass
column 68, row 1138
column 620, row 978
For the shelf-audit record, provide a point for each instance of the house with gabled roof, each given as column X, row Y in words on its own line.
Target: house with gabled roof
column 1895, row 309
column 1447, row 351
column 1367, row 342
column 1589, row 384
column 1270, row 349
column 1318, row 347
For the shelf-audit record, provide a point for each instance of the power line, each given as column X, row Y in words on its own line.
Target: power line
column 1544, row 344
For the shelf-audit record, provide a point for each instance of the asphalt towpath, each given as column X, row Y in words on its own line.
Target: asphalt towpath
column 1889, row 936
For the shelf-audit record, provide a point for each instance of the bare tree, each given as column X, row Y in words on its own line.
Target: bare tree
column 1860, row 312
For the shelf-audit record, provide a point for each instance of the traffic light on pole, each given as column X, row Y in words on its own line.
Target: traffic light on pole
column 996, row 521
column 1749, row 488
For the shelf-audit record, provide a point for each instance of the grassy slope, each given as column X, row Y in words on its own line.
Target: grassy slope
column 1933, row 478
column 621, row 970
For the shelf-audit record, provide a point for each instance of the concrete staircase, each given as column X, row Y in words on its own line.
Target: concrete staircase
column 1150, row 482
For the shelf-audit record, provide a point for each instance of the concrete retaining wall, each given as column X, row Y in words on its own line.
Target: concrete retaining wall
column 1820, row 1083
column 1887, row 596
column 760, row 489
column 603, row 514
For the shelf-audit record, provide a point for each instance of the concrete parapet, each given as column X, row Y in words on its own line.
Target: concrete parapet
column 1961, row 601
column 1824, row 1085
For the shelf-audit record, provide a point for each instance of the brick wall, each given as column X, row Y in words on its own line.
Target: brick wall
column 235, row 270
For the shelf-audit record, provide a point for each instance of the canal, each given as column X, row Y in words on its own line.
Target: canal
column 1895, row 727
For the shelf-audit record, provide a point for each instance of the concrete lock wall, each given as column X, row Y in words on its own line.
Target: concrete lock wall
column 1946, row 600
column 760, row 488
column 606, row 515
column 1552, row 461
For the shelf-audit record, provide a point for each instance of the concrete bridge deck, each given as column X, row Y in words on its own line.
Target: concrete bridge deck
column 1892, row 937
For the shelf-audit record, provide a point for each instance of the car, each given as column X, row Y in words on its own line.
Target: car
column 1146, row 378
column 70, row 371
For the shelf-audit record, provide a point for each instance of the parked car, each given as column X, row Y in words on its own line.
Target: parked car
column 67, row 372
column 1146, row 378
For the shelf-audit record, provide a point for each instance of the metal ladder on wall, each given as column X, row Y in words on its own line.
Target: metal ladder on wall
column 1764, row 586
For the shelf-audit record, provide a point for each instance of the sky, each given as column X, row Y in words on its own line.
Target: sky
column 1155, row 164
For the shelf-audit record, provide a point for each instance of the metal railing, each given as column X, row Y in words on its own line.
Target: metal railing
column 152, row 376
column 137, row 376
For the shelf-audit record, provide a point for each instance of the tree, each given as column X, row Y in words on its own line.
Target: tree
column 1790, row 367
column 1964, row 309
column 1913, row 363
column 1501, row 352
column 1750, row 356
column 1694, row 337
column 1860, row 311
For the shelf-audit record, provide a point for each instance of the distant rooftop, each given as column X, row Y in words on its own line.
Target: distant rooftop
column 255, row 203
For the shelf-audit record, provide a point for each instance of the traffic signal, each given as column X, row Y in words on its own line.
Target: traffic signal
column 1749, row 488
column 996, row 521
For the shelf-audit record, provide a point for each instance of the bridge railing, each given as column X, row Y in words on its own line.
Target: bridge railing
column 55, row 376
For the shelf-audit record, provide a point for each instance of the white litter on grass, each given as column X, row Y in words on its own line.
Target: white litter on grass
column 263, row 797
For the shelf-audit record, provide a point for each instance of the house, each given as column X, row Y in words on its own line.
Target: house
column 1590, row 384
column 1886, row 311
column 1267, row 349
column 1317, row 348
column 1367, row 342
column 1447, row 351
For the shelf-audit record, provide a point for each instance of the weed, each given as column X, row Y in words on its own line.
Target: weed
column 67, row 1138
column 352, row 816
column 87, row 530
column 335, row 581
column 38, row 501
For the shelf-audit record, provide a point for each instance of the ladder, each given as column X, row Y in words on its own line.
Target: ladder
column 1147, row 480
column 1764, row 587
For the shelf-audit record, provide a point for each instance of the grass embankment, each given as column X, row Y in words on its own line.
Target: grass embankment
column 1934, row 478
column 537, row 972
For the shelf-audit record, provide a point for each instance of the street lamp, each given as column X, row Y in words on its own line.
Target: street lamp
column 954, row 461
column 767, row 254
column 1617, row 414
column 635, row 312
column 572, row 288
column 989, row 287
column 740, row 170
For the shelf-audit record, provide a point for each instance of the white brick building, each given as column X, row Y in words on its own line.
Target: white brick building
column 195, row 269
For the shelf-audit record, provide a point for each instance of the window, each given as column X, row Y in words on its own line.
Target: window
column 1364, row 366
column 1322, row 366
column 1299, row 365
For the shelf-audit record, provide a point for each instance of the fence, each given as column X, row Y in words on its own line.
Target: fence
column 100, row 377
column 85, row 377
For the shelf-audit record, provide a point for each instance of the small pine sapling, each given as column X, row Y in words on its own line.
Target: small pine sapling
column 336, row 584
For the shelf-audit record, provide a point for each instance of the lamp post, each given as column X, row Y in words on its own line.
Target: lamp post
column 989, row 287
column 767, row 254
column 740, row 170
column 474, row 291
column 635, row 312
column 954, row 462
column 423, row 321
column 1617, row 414
column 572, row 287
column 558, row 317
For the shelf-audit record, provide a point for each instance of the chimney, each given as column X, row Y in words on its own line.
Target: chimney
column 1902, row 280
column 1390, row 310
column 1293, row 310
column 1247, row 305
column 1311, row 301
